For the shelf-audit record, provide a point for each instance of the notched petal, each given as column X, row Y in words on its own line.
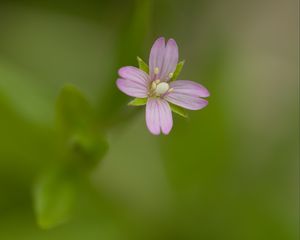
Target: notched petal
column 186, row 101
column 132, row 88
column 152, row 117
column 189, row 88
column 158, row 116
column 156, row 57
column 134, row 74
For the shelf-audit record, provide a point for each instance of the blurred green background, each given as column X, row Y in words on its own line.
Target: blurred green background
column 78, row 163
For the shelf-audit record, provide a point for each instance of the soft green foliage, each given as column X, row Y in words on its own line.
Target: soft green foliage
column 177, row 70
column 178, row 110
column 74, row 113
column 228, row 172
column 138, row 102
column 54, row 197
column 142, row 65
column 81, row 130
column 82, row 145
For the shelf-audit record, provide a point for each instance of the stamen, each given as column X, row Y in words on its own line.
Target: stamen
column 171, row 75
column 171, row 90
column 153, row 85
column 156, row 70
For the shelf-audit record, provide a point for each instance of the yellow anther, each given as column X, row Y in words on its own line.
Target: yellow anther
column 171, row 90
column 156, row 70
column 171, row 75
column 153, row 85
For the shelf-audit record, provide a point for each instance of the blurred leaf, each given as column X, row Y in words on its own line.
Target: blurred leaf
column 178, row 110
column 177, row 70
column 74, row 113
column 138, row 102
column 54, row 197
column 87, row 149
column 142, row 65
column 83, row 145
column 84, row 136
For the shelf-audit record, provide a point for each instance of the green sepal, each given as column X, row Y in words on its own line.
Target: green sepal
column 177, row 70
column 179, row 110
column 142, row 65
column 138, row 102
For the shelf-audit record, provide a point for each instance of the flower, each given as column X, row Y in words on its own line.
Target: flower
column 154, row 86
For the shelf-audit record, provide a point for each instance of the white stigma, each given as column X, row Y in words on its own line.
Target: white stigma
column 162, row 88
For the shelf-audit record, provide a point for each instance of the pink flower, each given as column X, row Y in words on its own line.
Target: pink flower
column 155, row 87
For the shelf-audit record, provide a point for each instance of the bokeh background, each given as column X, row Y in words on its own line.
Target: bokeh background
column 230, row 171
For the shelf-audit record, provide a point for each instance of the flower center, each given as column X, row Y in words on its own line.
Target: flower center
column 162, row 88
column 159, row 88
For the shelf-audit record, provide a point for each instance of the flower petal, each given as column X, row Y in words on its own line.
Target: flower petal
column 133, row 82
column 132, row 88
column 170, row 60
column 156, row 56
column 134, row 74
column 187, row 94
column 189, row 88
column 165, row 115
column 158, row 116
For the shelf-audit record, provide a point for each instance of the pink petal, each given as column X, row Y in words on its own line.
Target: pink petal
column 156, row 56
column 152, row 117
column 163, row 57
column 132, row 88
column 133, row 82
column 187, row 94
column 158, row 116
column 189, row 88
column 170, row 60
column 165, row 113
column 134, row 74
